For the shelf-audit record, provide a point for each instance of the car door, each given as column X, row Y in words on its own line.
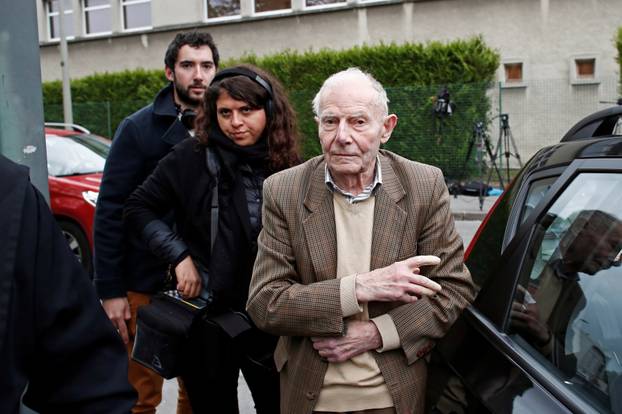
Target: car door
column 538, row 339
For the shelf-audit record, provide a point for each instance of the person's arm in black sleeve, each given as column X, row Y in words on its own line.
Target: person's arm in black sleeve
column 122, row 173
column 78, row 363
column 154, row 198
column 144, row 209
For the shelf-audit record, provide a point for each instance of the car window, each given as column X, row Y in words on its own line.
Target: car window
column 535, row 194
column 567, row 305
column 79, row 154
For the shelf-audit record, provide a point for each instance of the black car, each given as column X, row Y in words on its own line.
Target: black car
column 544, row 334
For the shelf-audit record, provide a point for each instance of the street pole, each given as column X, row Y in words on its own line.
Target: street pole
column 64, row 64
column 21, row 106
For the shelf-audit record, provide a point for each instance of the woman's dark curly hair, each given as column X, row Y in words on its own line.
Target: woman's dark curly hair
column 281, row 130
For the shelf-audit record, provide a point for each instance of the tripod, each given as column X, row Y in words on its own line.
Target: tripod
column 480, row 141
column 506, row 139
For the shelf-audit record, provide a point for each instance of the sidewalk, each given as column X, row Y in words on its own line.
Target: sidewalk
column 466, row 208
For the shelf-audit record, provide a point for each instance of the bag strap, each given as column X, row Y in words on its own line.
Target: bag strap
column 213, row 167
column 233, row 323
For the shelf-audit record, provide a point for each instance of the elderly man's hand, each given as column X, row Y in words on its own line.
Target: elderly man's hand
column 360, row 336
column 526, row 319
column 400, row 281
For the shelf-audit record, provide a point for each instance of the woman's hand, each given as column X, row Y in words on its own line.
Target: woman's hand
column 188, row 279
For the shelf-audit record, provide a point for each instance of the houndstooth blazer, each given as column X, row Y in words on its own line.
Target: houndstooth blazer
column 294, row 292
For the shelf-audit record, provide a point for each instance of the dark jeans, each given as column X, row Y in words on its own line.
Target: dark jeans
column 212, row 369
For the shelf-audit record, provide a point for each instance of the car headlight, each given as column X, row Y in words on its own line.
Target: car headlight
column 90, row 197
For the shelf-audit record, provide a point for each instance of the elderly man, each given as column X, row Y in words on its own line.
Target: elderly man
column 339, row 270
column 589, row 245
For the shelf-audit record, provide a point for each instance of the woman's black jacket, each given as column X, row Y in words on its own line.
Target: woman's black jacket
column 182, row 182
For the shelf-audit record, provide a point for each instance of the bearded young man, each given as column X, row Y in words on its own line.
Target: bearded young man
column 126, row 272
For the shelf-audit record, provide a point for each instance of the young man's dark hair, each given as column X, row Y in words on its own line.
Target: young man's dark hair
column 194, row 39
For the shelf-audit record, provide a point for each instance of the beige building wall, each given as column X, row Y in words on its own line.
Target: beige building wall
column 545, row 35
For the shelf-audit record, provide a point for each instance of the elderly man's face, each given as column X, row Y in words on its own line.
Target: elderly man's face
column 351, row 129
column 592, row 251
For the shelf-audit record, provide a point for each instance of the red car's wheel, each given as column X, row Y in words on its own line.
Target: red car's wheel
column 78, row 244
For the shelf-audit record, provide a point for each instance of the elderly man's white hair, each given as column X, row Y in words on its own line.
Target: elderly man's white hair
column 382, row 101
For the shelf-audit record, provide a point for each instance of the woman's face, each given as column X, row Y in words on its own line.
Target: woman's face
column 239, row 121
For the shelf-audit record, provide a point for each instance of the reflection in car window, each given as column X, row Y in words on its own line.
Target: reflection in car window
column 567, row 304
column 71, row 155
column 536, row 193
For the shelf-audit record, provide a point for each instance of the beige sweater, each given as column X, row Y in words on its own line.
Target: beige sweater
column 356, row 384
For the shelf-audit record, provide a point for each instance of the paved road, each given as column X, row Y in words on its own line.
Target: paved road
column 169, row 399
column 465, row 228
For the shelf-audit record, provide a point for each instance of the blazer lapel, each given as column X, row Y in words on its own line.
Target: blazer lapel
column 389, row 218
column 319, row 226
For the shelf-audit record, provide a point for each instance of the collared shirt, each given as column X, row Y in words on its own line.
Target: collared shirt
column 557, row 271
column 367, row 191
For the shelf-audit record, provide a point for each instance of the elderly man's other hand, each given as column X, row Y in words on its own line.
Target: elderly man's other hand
column 400, row 281
column 360, row 337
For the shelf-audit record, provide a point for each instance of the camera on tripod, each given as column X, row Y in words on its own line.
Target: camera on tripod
column 478, row 128
column 442, row 103
column 504, row 119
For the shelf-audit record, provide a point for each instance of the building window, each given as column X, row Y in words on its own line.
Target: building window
column 52, row 12
column 136, row 14
column 97, row 18
column 222, row 8
column 313, row 3
column 585, row 68
column 272, row 5
column 513, row 72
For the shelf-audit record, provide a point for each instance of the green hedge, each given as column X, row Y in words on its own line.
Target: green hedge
column 102, row 100
column 412, row 74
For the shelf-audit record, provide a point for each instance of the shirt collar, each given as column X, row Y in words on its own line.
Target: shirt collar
column 564, row 275
column 367, row 191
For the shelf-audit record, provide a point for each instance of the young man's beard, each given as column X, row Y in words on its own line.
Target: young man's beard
column 184, row 97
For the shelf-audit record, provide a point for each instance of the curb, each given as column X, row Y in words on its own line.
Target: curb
column 468, row 216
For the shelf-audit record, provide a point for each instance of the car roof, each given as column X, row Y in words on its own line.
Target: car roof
column 598, row 124
column 61, row 132
column 73, row 133
column 565, row 152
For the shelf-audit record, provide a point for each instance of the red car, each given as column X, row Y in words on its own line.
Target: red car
column 75, row 161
